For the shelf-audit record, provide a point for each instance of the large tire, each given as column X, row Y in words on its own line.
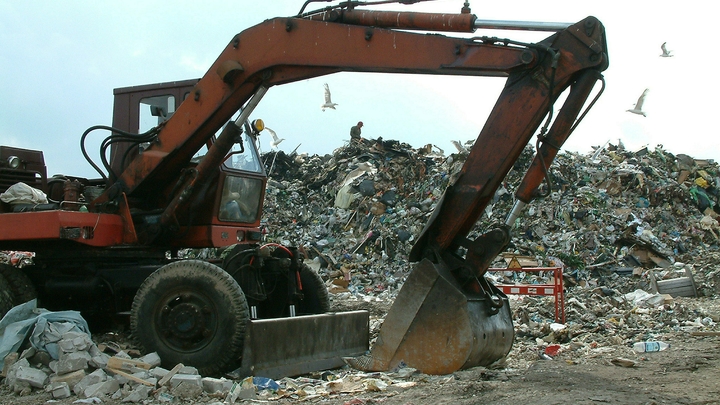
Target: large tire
column 20, row 285
column 316, row 299
column 191, row 312
column 6, row 297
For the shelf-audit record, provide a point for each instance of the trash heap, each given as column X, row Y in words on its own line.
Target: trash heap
column 611, row 212
column 616, row 221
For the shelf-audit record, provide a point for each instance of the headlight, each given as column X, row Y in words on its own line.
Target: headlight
column 258, row 125
column 13, row 162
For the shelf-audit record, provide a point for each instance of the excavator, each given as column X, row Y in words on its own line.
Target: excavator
column 194, row 179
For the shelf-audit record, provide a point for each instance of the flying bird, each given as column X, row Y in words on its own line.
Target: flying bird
column 639, row 104
column 666, row 53
column 328, row 100
column 275, row 139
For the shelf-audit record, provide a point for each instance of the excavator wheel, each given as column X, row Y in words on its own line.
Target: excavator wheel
column 316, row 299
column 191, row 312
column 21, row 287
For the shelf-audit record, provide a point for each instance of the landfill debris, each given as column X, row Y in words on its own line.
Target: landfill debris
column 643, row 347
column 622, row 362
column 614, row 220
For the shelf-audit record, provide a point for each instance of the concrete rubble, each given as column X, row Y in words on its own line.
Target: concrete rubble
column 619, row 222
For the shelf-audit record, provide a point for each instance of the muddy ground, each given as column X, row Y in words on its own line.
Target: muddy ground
column 591, row 373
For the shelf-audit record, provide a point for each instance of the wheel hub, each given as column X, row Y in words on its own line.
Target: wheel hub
column 187, row 321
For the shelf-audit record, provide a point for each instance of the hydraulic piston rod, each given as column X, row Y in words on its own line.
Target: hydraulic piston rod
column 520, row 25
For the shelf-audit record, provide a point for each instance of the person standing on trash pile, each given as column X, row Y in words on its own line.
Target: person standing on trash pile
column 355, row 132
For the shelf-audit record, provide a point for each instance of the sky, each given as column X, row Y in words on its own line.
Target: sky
column 61, row 60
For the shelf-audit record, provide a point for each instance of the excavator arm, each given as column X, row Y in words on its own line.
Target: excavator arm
column 284, row 50
column 447, row 316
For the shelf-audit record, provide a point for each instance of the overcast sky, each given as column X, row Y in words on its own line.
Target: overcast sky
column 61, row 60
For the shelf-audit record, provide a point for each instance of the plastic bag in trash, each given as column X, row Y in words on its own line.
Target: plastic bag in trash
column 264, row 383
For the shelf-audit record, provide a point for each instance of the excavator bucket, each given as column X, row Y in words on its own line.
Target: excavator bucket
column 437, row 328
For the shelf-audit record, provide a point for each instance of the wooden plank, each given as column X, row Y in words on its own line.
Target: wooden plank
column 170, row 374
column 119, row 363
column 705, row 333
column 131, row 377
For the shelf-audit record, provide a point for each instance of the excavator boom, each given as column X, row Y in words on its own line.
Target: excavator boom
column 447, row 315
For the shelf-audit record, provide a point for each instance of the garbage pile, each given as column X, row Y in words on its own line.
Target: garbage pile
column 612, row 212
column 618, row 222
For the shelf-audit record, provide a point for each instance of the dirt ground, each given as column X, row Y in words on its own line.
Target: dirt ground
column 686, row 373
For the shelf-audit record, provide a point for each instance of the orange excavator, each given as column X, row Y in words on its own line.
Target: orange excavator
column 110, row 245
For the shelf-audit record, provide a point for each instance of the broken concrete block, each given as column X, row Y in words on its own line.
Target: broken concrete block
column 123, row 355
column 159, row 372
column 72, row 361
column 82, row 342
column 66, row 346
column 102, row 388
column 12, row 370
column 213, row 385
column 153, row 359
column 187, row 390
column 71, row 335
column 188, row 370
column 120, row 378
column 95, row 377
column 32, row 376
column 59, row 390
column 178, row 379
column 138, row 394
column 71, row 378
column 119, row 393
column 99, row 360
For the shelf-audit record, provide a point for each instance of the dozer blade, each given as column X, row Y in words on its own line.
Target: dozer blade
column 285, row 347
column 435, row 327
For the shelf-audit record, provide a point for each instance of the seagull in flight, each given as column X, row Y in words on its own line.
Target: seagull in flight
column 275, row 139
column 666, row 53
column 639, row 104
column 328, row 100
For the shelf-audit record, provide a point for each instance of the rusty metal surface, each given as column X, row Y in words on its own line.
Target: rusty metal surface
column 437, row 328
column 284, row 50
column 283, row 347
column 402, row 20
column 519, row 112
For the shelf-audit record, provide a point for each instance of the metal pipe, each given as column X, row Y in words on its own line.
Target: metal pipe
column 250, row 107
column 520, row 25
column 515, row 213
